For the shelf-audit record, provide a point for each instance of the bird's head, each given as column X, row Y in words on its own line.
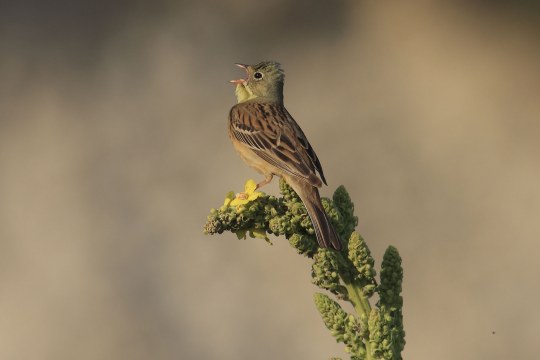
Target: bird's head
column 264, row 82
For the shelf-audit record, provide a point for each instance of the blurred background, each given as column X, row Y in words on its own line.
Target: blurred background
column 113, row 149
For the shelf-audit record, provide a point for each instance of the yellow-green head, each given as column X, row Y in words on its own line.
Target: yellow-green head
column 264, row 82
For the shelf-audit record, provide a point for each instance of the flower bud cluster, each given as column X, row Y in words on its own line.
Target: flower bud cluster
column 344, row 327
column 325, row 272
column 363, row 262
column 376, row 332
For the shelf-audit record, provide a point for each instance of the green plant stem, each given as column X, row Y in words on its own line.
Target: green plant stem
column 360, row 302
column 361, row 306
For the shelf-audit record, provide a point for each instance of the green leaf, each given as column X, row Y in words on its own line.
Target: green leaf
column 241, row 234
column 259, row 234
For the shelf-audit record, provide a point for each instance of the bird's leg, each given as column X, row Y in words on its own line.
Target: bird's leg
column 266, row 180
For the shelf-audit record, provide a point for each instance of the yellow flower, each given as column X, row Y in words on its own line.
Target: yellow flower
column 241, row 199
column 228, row 199
column 245, row 197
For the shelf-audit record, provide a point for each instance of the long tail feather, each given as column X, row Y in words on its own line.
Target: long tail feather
column 326, row 235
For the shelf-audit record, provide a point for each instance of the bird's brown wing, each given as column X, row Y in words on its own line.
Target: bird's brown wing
column 271, row 133
column 307, row 146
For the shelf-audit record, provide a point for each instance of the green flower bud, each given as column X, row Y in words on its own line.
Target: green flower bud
column 275, row 227
column 304, row 244
column 375, row 332
column 297, row 208
column 390, row 305
column 363, row 262
column 324, row 272
column 213, row 226
column 391, row 279
column 333, row 213
column 386, row 333
column 343, row 203
column 343, row 327
column 287, row 191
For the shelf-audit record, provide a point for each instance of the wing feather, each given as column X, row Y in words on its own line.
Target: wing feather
column 271, row 133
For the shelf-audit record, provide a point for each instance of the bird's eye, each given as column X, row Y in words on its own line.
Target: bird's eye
column 258, row 75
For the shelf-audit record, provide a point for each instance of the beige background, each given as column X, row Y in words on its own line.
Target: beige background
column 113, row 148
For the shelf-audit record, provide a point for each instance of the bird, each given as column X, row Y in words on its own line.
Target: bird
column 269, row 140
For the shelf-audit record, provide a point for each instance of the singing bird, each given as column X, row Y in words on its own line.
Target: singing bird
column 269, row 140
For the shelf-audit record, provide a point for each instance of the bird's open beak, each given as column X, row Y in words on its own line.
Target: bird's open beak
column 240, row 81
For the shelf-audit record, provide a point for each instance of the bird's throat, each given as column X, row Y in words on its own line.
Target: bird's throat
column 243, row 93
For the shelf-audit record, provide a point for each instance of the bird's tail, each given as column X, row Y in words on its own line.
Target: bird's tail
column 326, row 235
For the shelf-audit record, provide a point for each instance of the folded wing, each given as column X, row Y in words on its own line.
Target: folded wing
column 271, row 133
